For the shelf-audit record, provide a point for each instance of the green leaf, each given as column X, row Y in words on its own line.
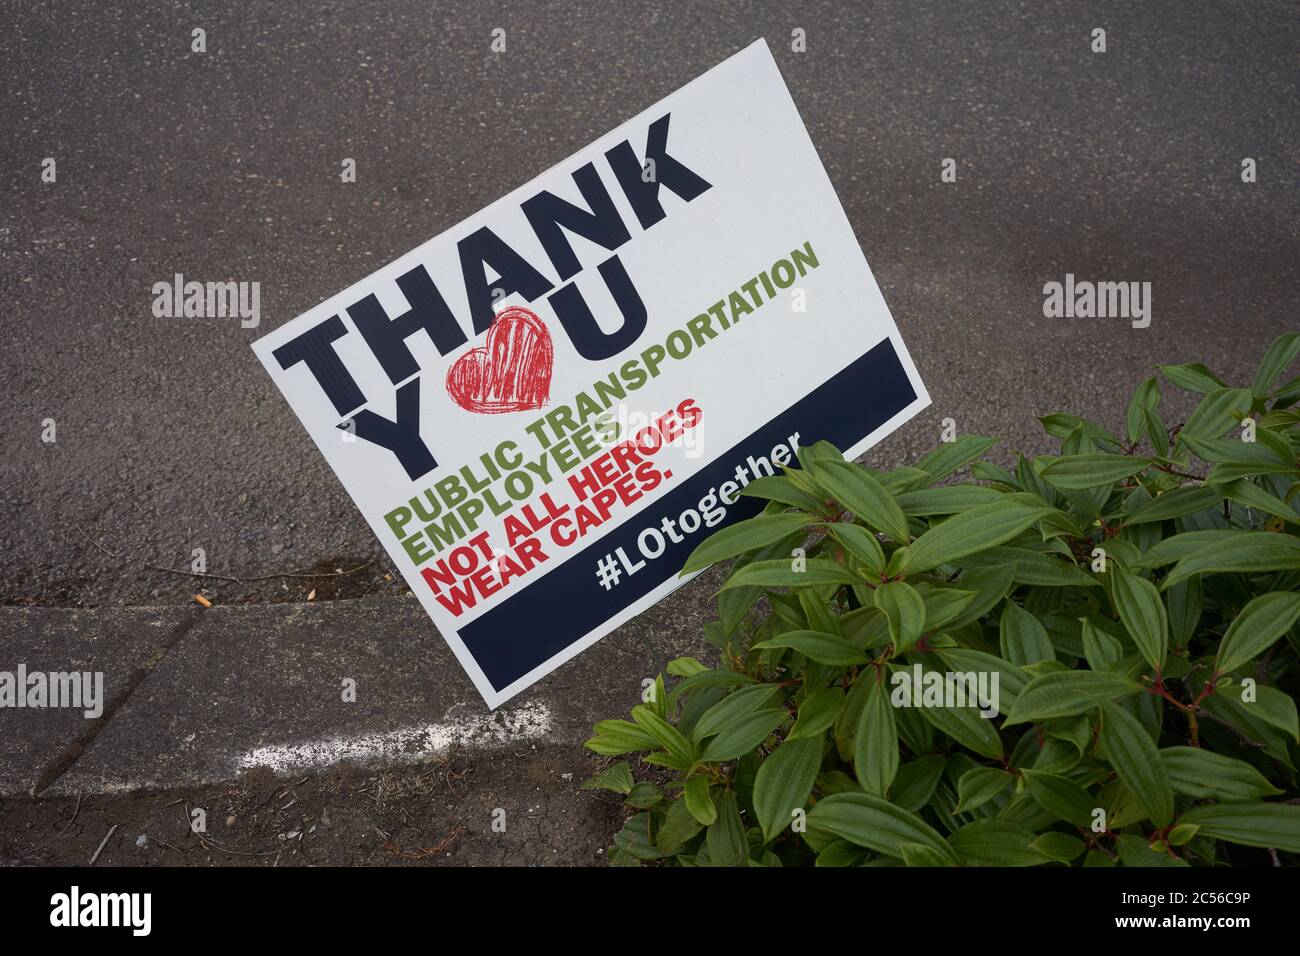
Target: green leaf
column 809, row 455
column 614, row 737
column 738, row 739
column 634, row 839
column 995, row 843
column 944, row 605
column 1156, row 431
column 1060, row 796
column 1199, row 773
column 685, row 667
column 1251, row 551
column 1193, row 377
column 1143, row 614
column 616, row 777
column 784, row 781
column 1256, row 627
column 678, row 827
column 863, row 495
column 1285, row 394
column 710, row 678
column 969, row 532
column 915, row 782
column 1230, row 471
column 1272, row 706
column 967, row 727
column 840, row 853
column 950, row 456
column 1279, row 355
column 1185, row 602
column 781, row 488
column 1145, row 398
column 1218, row 411
column 735, row 706
column 1024, row 640
column 1244, row 453
column 875, row 824
column 947, row 500
column 1080, row 472
column 699, row 802
column 1266, row 716
column 1175, row 504
column 1101, row 650
column 783, row 572
column 725, row 839
column 744, row 536
column 1132, row 753
column 1033, row 567
column 1135, row 851
column 875, row 743
column 817, row 712
column 990, row 586
column 820, row 647
column 736, row 603
column 1063, row 693
column 903, row 478
column 917, row 855
column 1062, row 425
column 1253, row 496
column 904, row 609
column 979, row 785
column 1011, row 679
column 1270, row 825
column 643, row 796
column 668, row 736
column 860, row 543
column 1189, row 542
column 1059, row 846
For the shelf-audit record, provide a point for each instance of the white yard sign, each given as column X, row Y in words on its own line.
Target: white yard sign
column 542, row 411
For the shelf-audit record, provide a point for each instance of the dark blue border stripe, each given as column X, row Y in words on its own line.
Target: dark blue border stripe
column 547, row 616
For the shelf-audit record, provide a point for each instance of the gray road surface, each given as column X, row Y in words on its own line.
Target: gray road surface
column 224, row 165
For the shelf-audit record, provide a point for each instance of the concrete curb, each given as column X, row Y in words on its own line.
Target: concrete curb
column 197, row 696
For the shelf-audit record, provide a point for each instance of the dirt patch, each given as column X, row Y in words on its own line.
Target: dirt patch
column 521, row 808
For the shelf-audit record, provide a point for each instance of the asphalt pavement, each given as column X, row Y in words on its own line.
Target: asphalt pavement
column 225, row 165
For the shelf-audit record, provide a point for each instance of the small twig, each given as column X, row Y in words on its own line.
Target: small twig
column 59, row 835
column 321, row 574
column 97, row 544
column 102, row 844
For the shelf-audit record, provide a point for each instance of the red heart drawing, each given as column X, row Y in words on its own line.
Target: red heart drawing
column 511, row 372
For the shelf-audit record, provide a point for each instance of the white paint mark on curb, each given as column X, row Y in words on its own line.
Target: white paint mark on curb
column 405, row 744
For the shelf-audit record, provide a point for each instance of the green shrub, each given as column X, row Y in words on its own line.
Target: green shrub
column 1133, row 601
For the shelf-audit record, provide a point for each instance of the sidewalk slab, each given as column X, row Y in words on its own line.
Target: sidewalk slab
column 264, row 685
column 120, row 643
